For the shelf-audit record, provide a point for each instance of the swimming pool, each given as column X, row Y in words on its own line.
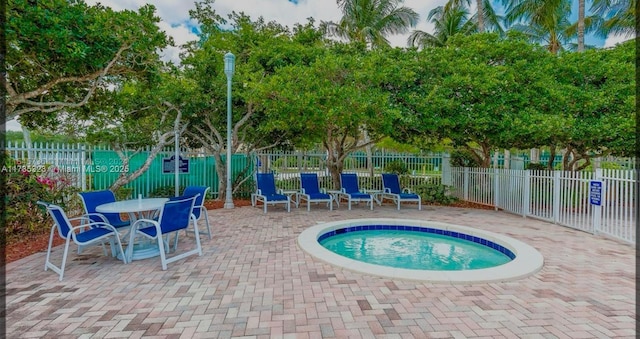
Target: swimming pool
column 522, row 259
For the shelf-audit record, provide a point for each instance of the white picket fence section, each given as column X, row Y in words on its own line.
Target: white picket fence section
column 70, row 159
column 560, row 197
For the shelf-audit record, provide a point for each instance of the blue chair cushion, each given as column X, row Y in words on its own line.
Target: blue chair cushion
column 92, row 234
column 276, row 197
column 319, row 196
column 408, row 196
column 359, row 196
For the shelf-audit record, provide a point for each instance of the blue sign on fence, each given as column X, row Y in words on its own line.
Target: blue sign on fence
column 168, row 165
column 595, row 193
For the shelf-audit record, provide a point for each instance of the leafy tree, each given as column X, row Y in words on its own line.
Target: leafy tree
column 478, row 92
column 261, row 49
column 330, row 101
column 138, row 116
column 61, row 53
column 600, row 111
column 371, row 21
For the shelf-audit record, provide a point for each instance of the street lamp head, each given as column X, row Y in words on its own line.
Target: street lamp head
column 229, row 64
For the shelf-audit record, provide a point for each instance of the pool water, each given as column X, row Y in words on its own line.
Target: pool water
column 414, row 250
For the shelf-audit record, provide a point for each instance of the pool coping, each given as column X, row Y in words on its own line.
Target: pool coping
column 528, row 260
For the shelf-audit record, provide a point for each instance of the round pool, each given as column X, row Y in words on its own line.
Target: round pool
column 420, row 250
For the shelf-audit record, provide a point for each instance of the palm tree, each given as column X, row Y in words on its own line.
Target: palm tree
column 447, row 21
column 371, row 21
column 544, row 21
column 485, row 16
column 619, row 16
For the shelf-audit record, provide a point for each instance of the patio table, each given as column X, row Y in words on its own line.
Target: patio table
column 136, row 209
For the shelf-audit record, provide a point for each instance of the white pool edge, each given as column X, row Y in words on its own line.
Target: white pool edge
column 527, row 262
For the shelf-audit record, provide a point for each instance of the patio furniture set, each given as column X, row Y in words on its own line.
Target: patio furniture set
column 147, row 230
column 310, row 191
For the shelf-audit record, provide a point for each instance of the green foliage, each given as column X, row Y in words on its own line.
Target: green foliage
column 435, row 193
column 397, row 167
column 536, row 166
column 59, row 49
column 27, row 184
column 123, row 193
column 462, row 158
column 162, row 192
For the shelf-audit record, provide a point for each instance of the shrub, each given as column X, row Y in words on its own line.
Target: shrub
column 27, row 184
column 397, row 167
column 435, row 193
column 162, row 192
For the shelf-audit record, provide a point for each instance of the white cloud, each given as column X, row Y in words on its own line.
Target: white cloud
column 613, row 40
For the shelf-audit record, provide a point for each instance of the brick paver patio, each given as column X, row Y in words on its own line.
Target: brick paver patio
column 254, row 281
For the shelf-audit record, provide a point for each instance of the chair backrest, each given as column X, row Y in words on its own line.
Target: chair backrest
column 309, row 181
column 201, row 191
column 349, row 182
column 93, row 199
column 59, row 218
column 266, row 183
column 176, row 213
column 392, row 182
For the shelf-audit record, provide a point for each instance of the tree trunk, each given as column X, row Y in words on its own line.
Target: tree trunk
column 480, row 15
column 552, row 157
column 580, row 25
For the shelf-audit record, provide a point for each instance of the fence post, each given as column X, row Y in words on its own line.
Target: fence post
column 446, row 170
column 83, row 173
column 465, row 184
column 526, row 195
column 496, row 189
column 556, row 196
column 597, row 209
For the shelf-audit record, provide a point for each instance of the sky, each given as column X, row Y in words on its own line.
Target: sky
column 175, row 21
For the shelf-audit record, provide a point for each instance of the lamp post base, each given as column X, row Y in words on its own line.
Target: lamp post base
column 228, row 204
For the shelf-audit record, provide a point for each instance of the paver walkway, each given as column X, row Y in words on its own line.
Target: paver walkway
column 254, row 281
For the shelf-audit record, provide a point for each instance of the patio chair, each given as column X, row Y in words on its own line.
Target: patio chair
column 311, row 192
column 198, row 208
column 267, row 193
column 88, row 233
column 350, row 189
column 90, row 200
column 392, row 191
column 175, row 215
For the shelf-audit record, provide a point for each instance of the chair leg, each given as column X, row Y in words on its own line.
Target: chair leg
column 64, row 257
column 206, row 219
column 46, row 262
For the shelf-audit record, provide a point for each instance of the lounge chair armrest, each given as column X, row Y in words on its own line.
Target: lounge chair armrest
column 387, row 190
column 323, row 190
column 406, row 190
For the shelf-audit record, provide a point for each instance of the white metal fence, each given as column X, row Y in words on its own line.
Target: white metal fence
column 556, row 196
column 561, row 197
column 287, row 166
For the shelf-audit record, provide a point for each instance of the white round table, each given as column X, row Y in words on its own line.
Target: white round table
column 136, row 208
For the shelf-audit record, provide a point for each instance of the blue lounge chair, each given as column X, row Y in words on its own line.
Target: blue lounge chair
column 89, row 232
column 90, row 200
column 198, row 207
column 350, row 189
column 267, row 193
column 311, row 192
column 392, row 191
column 176, row 215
